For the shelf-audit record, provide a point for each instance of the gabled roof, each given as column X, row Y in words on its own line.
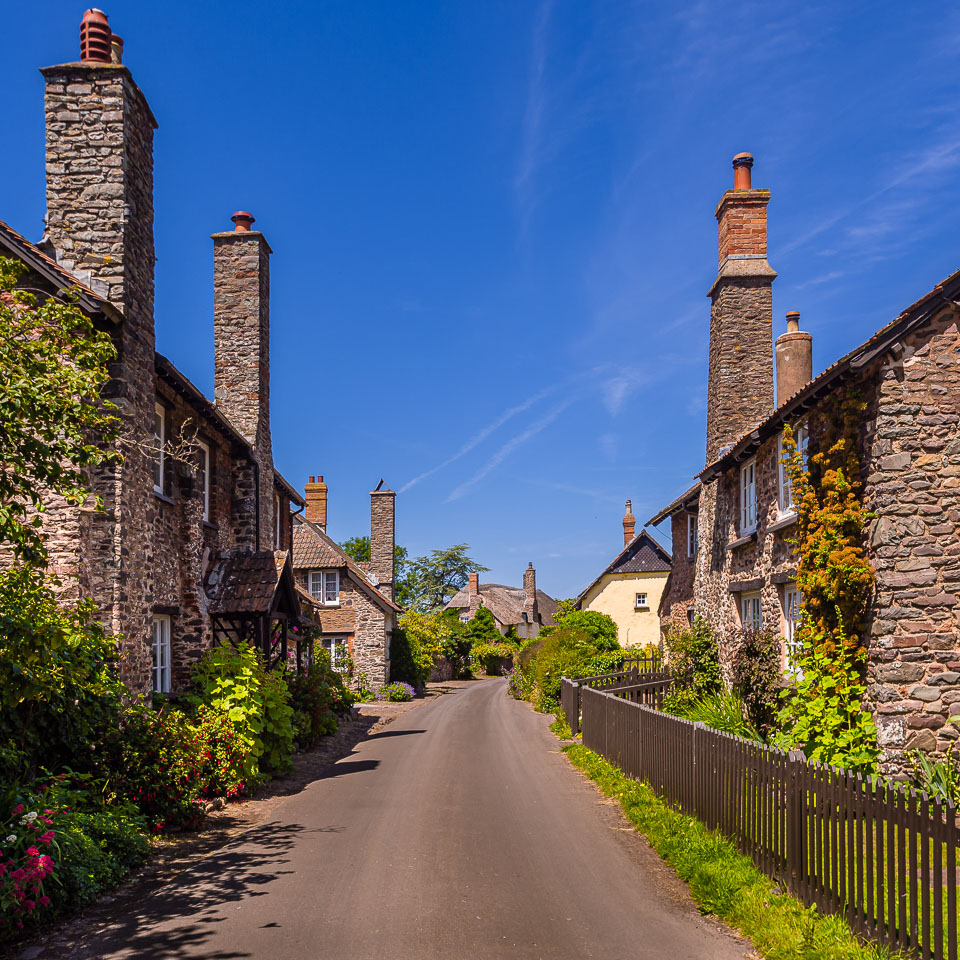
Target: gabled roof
column 641, row 555
column 51, row 271
column 252, row 583
column 506, row 603
column 313, row 549
column 887, row 338
column 688, row 500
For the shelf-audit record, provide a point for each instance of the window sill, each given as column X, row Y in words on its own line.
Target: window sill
column 641, row 609
column 786, row 520
column 207, row 525
column 164, row 498
column 751, row 537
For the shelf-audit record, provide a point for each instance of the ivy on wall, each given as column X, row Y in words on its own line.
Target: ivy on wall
column 823, row 715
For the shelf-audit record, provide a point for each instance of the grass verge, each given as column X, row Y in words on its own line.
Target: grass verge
column 722, row 881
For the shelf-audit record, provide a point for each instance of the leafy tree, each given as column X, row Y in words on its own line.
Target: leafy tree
column 438, row 576
column 598, row 627
column 53, row 423
column 482, row 628
column 358, row 549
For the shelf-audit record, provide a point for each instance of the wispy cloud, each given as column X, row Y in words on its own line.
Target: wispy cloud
column 603, row 496
column 509, row 447
column 480, row 436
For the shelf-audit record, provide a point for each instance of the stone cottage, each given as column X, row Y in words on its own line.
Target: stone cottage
column 194, row 538
column 907, row 376
column 525, row 608
column 630, row 588
column 351, row 602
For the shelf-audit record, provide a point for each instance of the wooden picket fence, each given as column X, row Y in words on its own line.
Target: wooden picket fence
column 878, row 853
column 634, row 670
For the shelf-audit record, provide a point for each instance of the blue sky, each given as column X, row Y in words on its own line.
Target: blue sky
column 493, row 227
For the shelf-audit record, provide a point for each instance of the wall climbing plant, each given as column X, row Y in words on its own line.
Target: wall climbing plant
column 823, row 714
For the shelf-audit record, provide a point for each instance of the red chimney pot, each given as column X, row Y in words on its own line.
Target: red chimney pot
column 742, row 163
column 242, row 221
column 95, row 37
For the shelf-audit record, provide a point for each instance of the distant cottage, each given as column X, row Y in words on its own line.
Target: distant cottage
column 631, row 587
column 732, row 562
column 526, row 609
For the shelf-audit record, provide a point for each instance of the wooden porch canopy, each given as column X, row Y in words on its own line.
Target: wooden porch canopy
column 253, row 598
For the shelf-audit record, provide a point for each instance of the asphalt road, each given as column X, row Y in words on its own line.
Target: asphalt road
column 458, row 831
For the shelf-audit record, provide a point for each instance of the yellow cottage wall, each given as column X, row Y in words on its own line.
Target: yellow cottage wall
column 615, row 595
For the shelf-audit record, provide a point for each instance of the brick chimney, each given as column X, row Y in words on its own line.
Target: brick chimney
column 473, row 592
column 315, row 493
column 383, row 537
column 99, row 226
column 629, row 524
column 740, row 384
column 530, row 595
column 241, row 341
column 794, row 359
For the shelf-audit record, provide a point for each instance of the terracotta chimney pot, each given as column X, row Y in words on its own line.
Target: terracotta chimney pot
column 242, row 221
column 742, row 163
column 95, row 37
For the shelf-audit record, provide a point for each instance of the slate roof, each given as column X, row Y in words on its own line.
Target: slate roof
column 641, row 555
column 248, row 583
column 506, row 603
column 943, row 294
column 313, row 549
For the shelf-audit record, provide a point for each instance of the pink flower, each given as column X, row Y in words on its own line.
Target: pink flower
column 33, row 852
column 18, row 809
column 44, row 901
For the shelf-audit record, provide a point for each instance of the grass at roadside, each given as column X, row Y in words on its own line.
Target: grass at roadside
column 722, row 881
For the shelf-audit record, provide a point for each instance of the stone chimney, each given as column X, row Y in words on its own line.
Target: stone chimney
column 530, row 594
column 629, row 524
column 241, row 341
column 99, row 158
column 794, row 359
column 740, row 384
column 383, row 537
column 473, row 592
column 315, row 493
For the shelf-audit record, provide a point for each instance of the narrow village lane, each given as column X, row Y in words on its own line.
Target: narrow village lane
column 459, row 831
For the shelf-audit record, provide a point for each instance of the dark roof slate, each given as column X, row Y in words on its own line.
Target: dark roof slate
column 641, row 555
column 246, row 584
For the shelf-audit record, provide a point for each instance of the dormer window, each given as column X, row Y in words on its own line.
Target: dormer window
column 325, row 587
column 748, row 498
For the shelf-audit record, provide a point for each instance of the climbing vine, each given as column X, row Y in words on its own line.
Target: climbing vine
column 824, row 713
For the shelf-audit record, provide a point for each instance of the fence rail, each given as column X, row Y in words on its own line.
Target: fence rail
column 878, row 853
column 633, row 669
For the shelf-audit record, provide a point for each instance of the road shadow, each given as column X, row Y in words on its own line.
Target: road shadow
column 392, row 733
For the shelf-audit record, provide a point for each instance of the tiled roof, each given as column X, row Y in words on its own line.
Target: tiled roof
column 313, row 549
column 506, row 603
column 684, row 501
column 247, row 583
column 641, row 555
column 925, row 308
column 48, row 268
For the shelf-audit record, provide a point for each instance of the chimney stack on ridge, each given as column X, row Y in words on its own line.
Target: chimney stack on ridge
column 629, row 524
column 315, row 493
column 383, row 537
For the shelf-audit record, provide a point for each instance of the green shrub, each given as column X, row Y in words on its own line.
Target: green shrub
column 693, row 658
column 599, row 628
column 396, row 692
column 723, row 710
column 409, row 659
column 317, row 697
column 758, row 677
column 938, row 776
column 493, row 658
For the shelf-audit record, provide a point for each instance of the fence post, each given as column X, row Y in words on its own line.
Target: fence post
column 795, row 787
column 695, row 772
column 575, row 721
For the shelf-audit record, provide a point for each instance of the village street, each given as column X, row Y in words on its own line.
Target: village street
column 458, row 831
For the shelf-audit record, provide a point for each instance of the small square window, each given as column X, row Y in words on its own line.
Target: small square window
column 325, row 587
column 751, row 611
column 338, row 650
column 641, row 603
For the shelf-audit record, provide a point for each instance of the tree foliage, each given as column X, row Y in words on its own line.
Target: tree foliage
column 693, row 657
column 440, row 575
column 824, row 715
column 600, row 628
column 358, row 549
column 53, row 423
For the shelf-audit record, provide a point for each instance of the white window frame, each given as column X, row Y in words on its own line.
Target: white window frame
column 162, row 654
column 751, row 611
column 641, row 604
column 205, row 468
column 802, row 436
column 330, row 644
column 161, row 438
column 318, row 584
column 748, row 497
column 791, row 619
column 693, row 535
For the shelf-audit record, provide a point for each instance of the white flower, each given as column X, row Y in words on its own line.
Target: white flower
column 23, row 821
column 32, row 815
column 11, row 839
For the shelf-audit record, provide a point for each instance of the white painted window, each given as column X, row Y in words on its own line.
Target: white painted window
column 325, row 587
column 161, row 654
column 337, row 648
column 693, row 535
column 791, row 620
column 641, row 603
column 748, row 498
column 203, row 478
column 160, row 440
column 751, row 614
column 786, row 487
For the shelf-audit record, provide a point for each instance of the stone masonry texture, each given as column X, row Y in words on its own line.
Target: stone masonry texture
column 383, row 539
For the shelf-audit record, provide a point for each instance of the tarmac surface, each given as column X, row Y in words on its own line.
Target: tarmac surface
column 458, row 831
